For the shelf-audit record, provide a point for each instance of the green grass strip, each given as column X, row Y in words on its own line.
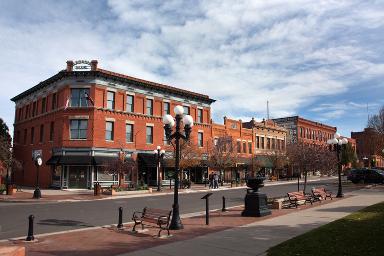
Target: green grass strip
column 360, row 233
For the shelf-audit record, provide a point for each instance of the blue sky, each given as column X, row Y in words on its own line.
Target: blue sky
column 322, row 60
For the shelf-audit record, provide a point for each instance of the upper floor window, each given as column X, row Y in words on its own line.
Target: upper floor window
column 34, row 108
column 129, row 132
column 150, row 107
column 200, row 115
column 167, row 110
column 262, row 142
column 244, row 147
column 200, row 141
column 238, row 147
column 186, row 110
column 130, row 104
column 257, row 142
column 78, row 129
column 51, row 131
column 149, row 135
column 109, row 129
column 25, row 136
column 79, row 97
column 44, row 105
column 250, row 147
column 268, row 143
column 26, row 112
column 110, row 100
column 54, row 101
column 32, row 135
column 166, row 142
column 41, row 133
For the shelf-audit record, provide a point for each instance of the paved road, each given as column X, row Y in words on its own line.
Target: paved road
column 52, row 217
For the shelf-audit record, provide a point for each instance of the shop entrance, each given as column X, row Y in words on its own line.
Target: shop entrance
column 77, row 176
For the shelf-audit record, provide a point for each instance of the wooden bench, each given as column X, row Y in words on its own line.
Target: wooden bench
column 321, row 194
column 152, row 216
column 296, row 197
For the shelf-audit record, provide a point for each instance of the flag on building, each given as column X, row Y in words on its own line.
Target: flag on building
column 89, row 98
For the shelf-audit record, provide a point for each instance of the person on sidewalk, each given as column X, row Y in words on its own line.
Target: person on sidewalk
column 215, row 181
column 210, row 177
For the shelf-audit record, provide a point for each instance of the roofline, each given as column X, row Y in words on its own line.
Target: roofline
column 307, row 120
column 112, row 75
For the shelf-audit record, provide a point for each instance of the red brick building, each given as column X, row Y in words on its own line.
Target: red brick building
column 368, row 148
column 84, row 115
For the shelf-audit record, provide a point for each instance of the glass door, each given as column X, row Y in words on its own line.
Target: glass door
column 77, row 176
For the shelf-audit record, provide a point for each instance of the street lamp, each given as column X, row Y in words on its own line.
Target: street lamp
column 38, row 163
column 159, row 154
column 169, row 122
column 337, row 143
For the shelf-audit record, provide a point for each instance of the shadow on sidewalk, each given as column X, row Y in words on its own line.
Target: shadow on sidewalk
column 67, row 223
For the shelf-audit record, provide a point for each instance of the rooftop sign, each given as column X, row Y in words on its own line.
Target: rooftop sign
column 82, row 65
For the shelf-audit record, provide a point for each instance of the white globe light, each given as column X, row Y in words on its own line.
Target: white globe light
column 336, row 135
column 329, row 142
column 345, row 141
column 158, row 147
column 168, row 119
column 188, row 120
column 162, row 151
column 340, row 142
column 155, row 151
column 179, row 110
column 382, row 151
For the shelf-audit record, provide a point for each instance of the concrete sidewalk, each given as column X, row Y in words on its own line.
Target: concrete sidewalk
column 257, row 237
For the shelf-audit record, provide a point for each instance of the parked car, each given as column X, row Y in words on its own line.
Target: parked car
column 366, row 176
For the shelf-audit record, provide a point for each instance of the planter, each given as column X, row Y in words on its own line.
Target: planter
column 255, row 183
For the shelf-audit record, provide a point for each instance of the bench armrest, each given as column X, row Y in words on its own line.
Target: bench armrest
column 137, row 215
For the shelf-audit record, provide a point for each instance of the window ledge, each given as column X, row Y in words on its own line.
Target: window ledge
column 77, row 139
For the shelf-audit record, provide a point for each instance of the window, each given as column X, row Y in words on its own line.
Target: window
column 268, row 143
column 26, row 112
column 273, row 143
column 200, row 141
column 25, row 136
column 149, row 135
column 186, row 110
column 79, row 129
column 215, row 141
column 149, row 107
column 301, row 132
column 129, row 105
column 200, row 115
column 257, row 142
column 278, row 144
column 109, row 130
column 34, row 108
column 44, row 105
column 262, row 142
column 244, row 147
column 238, row 147
column 250, row 147
column 167, row 108
column 78, row 98
column 51, row 131
column 18, row 136
column 166, row 142
column 54, row 101
column 110, row 100
column 129, row 132
column 41, row 133
column 32, row 134
column 282, row 144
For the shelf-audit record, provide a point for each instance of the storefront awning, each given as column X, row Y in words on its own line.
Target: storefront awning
column 53, row 160
column 76, row 160
column 147, row 160
column 102, row 160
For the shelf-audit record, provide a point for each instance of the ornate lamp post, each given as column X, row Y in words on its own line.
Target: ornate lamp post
column 337, row 142
column 159, row 154
column 169, row 122
column 38, row 163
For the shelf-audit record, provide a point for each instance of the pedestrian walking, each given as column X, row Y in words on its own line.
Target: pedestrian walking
column 210, row 177
column 215, row 180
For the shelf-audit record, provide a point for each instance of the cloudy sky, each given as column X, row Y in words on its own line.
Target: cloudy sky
column 322, row 60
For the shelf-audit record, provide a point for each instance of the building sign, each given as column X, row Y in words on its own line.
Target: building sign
column 291, row 125
column 82, row 65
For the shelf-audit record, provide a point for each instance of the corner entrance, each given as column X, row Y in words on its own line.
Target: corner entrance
column 77, row 176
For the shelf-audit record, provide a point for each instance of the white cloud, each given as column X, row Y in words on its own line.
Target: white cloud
column 241, row 53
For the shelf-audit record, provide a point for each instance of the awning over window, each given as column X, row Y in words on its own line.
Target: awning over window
column 53, row 160
column 76, row 160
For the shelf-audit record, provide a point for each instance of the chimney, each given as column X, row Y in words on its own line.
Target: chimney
column 93, row 65
column 69, row 66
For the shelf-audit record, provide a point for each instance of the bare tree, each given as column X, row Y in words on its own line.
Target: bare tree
column 376, row 122
column 119, row 167
column 223, row 154
column 278, row 161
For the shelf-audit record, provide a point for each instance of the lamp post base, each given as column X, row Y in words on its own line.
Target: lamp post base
column 176, row 221
column 37, row 193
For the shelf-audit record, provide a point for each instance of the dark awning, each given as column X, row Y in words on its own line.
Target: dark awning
column 102, row 160
column 53, row 160
column 76, row 160
column 146, row 160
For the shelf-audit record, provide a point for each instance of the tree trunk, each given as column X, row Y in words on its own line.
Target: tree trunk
column 305, row 180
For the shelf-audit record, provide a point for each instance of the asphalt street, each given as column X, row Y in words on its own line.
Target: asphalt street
column 53, row 217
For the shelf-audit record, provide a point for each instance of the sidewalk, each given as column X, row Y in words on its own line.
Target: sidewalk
column 227, row 234
column 55, row 195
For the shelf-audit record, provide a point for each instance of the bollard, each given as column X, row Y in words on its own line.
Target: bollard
column 206, row 197
column 223, row 209
column 30, row 236
column 120, row 225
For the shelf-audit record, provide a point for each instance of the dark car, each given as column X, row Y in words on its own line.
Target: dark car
column 366, row 176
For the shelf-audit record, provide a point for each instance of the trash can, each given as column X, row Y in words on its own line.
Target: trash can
column 97, row 189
